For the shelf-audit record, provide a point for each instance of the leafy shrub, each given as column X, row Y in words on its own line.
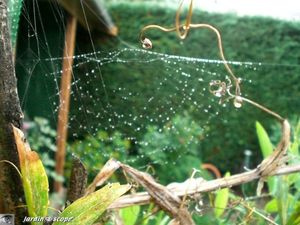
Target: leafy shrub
column 97, row 149
column 175, row 149
column 285, row 190
column 178, row 143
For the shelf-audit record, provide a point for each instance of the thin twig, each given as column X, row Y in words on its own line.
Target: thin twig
column 263, row 108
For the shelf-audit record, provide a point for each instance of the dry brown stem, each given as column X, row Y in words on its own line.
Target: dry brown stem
column 198, row 185
column 161, row 195
column 105, row 173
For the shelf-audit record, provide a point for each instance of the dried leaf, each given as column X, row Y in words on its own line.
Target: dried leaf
column 163, row 197
column 106, row 172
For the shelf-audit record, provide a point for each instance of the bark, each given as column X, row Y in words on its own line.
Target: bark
column 10, row 113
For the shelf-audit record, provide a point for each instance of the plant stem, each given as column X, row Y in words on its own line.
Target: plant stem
column 263, row 108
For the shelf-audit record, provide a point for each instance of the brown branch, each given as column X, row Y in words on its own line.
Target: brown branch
column 198, row 185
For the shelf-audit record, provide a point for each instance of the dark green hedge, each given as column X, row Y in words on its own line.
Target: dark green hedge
column 275, row 83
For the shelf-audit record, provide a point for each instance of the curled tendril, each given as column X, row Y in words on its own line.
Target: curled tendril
column 218, row 88
column 221, row 89
column 182, row 31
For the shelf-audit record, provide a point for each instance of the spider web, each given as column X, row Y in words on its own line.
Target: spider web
column 140, row 106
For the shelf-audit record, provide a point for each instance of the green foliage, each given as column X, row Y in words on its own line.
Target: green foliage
column 142, row 215
column 130, row 215
column 97, row 149
column 295, row 217
column 160, row 219
column 286, row 196
column 41, row 135
column 177, row 143
column 135, row 215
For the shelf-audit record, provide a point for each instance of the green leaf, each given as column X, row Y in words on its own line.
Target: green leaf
column 264, row 140
column 294, row 149
column 88, row 209
column 34, row 178
column 221, row 200
column 283, row 198
column 272, row 206
column 295, row 216
column 130, row 215
column 266, row 149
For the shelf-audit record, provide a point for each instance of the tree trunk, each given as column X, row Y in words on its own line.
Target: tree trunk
column 11, row 191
